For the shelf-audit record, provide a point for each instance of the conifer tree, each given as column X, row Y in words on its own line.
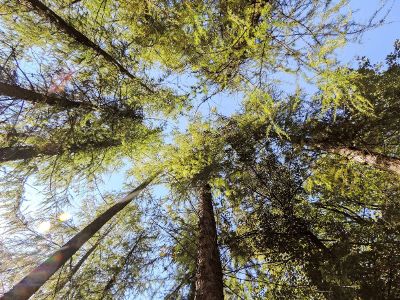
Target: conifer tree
column 281, row 200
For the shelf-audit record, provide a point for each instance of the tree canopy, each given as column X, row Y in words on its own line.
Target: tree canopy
column 292, row 196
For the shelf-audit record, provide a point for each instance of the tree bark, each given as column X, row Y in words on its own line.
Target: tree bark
column 79, row 37
column 17, row 92
column 35, row 279
column 28, row 152
column 75, row 269
column 333, row 146
column 373, row 159
column 209, row 281
column 18, row 152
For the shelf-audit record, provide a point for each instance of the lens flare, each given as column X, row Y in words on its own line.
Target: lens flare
column 44, row 227
column 65, row 216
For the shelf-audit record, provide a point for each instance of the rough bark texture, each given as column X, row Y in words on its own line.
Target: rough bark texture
column 34, row 280
column 17, row 92
column 79, row 37
column 28, row 152
column 377, row 160
column 209, row 282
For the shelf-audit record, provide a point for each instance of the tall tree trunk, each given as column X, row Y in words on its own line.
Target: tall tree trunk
column 373, row 159
column 19, row 152
column 79, row 37
column 17, row 92
column 209, row 282
column 357, row 154
column 28, row 152
column 35, row 279
column 75, row 269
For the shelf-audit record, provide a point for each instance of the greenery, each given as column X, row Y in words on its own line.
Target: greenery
column 293, row 196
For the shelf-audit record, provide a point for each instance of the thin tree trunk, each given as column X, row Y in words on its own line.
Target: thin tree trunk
column 14, row 153
column 364, row 156
column 209, row 282
column 353, row 153
column 75, row 269
column 35, row 279
column 18, row 152
column 79, row 37
column 17, row 92
column 121, row 266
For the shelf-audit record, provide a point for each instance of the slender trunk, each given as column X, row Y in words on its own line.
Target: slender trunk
column 18, row 152
column 373, row 159
column 14, row 153
column 121, row 266
column 353, row 153
column 35, row 279
column 79, row 37
column 209, row 282
column 75, row 269
column 17, row 92
column 364, row 156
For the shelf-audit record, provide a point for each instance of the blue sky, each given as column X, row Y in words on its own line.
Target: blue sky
column 378, row 42
column 375, row 44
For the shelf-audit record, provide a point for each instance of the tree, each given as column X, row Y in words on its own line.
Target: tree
column 326, row 232
column 83, row 91
column 33, row 281
column 209, row 283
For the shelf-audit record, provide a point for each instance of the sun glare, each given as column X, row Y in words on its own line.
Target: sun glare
column 44, row 227
column 65, row 216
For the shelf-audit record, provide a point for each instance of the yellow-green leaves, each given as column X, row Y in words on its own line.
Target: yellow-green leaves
column 261, row 110
column 341, row 178
column 339, row 88
column 196, row 155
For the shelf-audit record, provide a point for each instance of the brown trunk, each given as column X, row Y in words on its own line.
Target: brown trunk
column 17, row 92
column 364, row 156
column 353, row 153
column 35, row 279
column 18, row 152
column 209, row 282
column 79, row 37
column 28, row 152
column 75, row 269
column 373, row 159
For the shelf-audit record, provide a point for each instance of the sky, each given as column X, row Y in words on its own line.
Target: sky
column 378, row 42
column 375, row 44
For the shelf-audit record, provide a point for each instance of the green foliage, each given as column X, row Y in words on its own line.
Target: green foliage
column 339, row 88
column 295, row 220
